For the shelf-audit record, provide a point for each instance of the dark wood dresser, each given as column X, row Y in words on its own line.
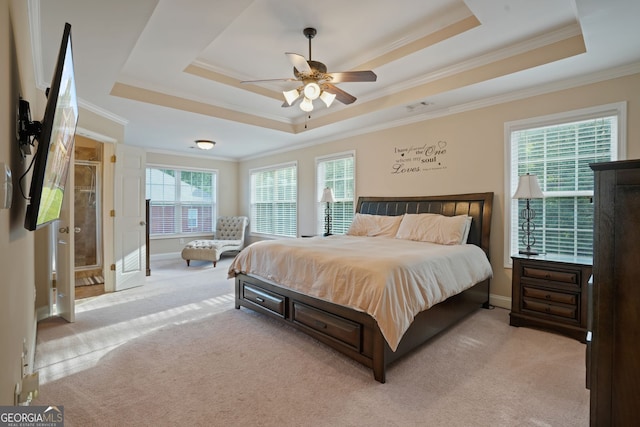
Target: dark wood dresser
column 614, row 350
column 550, row 292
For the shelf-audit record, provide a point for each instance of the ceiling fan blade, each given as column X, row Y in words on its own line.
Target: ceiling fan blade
column 299, row 62
column 353, row 76
column 341, row 95
column 288, row 79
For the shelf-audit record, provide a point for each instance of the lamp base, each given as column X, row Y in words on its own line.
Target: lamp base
column 528, row 252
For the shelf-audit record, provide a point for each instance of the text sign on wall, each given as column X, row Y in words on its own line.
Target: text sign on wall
column 418, row 159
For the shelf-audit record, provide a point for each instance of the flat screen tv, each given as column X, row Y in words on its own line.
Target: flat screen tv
column 55, row 142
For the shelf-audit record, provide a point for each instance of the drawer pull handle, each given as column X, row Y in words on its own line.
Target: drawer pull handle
column 320, row 324
column 547, row 309
column 259, row 299
column 547, row 296
column 547, row 276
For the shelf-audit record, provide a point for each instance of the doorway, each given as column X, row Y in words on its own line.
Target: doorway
column 89, row 265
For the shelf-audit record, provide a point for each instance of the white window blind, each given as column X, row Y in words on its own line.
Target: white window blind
column 338, row 173
column 274, row 193
column 560, row 154
column 181, row 201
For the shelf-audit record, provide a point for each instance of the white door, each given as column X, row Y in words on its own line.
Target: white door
column 65, row 268
column 129, row 221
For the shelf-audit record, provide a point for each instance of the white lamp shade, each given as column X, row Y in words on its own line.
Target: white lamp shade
column 327, row 98
column 291, row 95
column 327, row 196
column 312, row 90
column 205, row 144
column 528, row 188
column 306, row 105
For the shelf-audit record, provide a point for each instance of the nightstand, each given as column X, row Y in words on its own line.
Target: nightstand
column 550, row 292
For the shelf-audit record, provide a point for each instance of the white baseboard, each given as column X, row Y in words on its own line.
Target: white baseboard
column 500, row 301
column 165, row 257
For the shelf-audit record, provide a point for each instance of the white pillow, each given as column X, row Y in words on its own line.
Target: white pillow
column 374, row 225
column 465, row 235
column 434, row 228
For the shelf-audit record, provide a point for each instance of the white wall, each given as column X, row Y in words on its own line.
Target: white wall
column 17, row 313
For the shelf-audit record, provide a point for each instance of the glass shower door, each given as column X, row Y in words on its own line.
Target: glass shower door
column 88, row 237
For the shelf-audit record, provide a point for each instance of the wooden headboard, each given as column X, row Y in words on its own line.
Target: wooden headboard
column 476, row 205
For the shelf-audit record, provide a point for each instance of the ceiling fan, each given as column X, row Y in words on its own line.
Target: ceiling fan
column 316, row 82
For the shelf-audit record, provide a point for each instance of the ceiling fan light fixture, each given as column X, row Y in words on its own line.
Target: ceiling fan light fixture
column 312, row 90
column 291, row 95
column 306, row 105
column 327, row 98
column 205, row 144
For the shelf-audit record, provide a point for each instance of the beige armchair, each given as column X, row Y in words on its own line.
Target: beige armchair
column 229, row 236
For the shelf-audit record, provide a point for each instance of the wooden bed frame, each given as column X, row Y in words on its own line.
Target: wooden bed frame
column 355, row 333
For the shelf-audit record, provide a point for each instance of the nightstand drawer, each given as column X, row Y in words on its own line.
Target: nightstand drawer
column 546, row 295
column 556, row 310
column 556, row 276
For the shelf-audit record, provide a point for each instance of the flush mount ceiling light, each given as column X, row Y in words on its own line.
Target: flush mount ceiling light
column 316, row 82
column 205, row 144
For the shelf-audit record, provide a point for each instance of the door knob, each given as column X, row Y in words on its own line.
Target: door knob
column 77, row 230
column 63, row 230
column 143, row 223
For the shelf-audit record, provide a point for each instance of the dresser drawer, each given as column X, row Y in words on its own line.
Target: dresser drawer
column 268, row 300
column 343, row 331
column 556, row 276
column 543, row 294
column 556, row 310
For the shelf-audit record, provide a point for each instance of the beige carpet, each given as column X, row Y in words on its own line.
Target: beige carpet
column 175, row 352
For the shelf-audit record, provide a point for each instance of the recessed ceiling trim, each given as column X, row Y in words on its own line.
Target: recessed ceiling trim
column 200, row 69
column 512, row 50
column 156, row 98
column 429, row 40
column 102, row 112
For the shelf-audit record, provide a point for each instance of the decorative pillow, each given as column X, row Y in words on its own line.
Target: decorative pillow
column 374, row 225
column 434, row 228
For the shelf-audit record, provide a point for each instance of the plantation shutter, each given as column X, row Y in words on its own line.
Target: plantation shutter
column 338, row 173
column 274, row 207
column 559, row 155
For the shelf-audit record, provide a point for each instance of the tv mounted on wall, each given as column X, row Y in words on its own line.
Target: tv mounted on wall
column 55, row 136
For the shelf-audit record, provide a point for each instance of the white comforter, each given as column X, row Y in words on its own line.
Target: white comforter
column 390, row 279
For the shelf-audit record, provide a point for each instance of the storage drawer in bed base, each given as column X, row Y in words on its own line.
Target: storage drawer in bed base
column 349, row 332
column 354, row 333
column 343, row 331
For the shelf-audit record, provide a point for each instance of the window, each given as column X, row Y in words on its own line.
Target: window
column 338, row 173
column 274, row 205
column 558, row 149
column 182, row 201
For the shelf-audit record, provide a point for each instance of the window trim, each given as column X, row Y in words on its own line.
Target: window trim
column 283, row 165
column 216, row 172
column 619, row 151
column 319, row 218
